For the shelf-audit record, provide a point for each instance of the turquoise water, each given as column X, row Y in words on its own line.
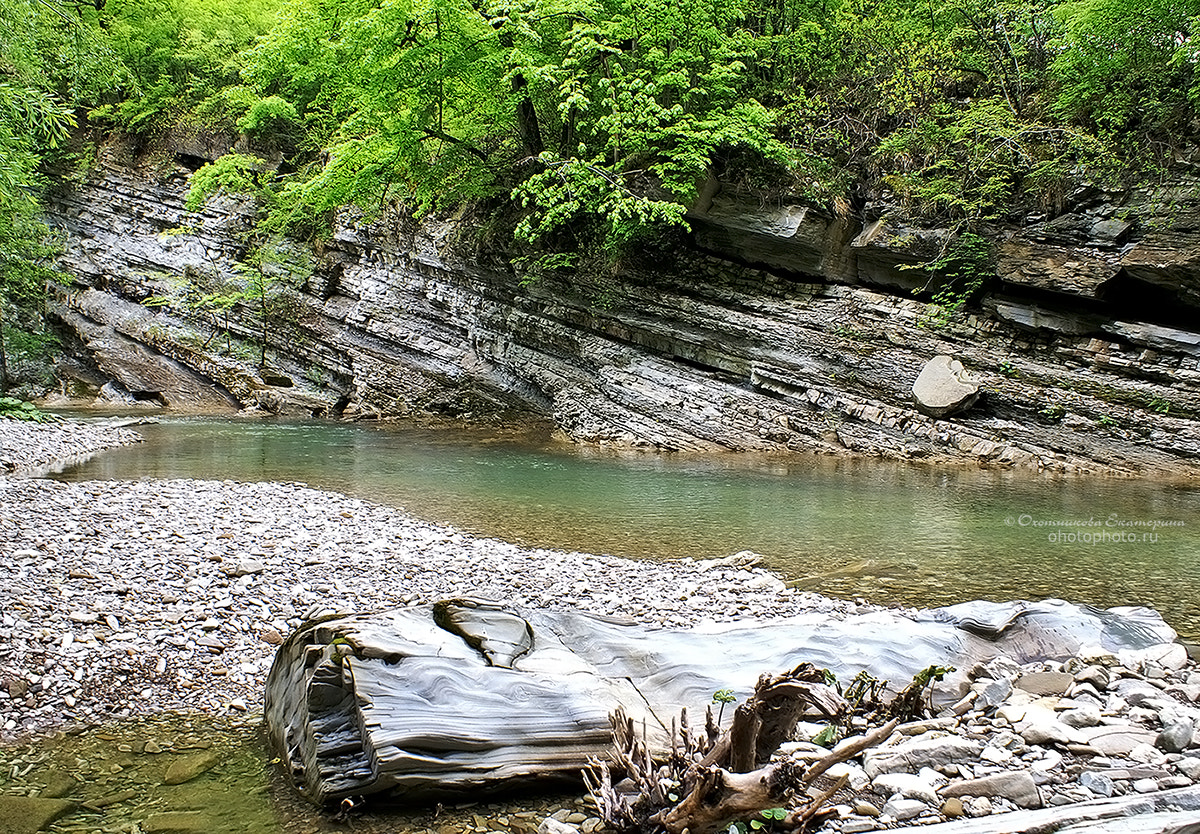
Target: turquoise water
column 885, row 532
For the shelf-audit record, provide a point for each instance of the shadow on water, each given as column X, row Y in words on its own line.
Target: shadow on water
column 904, row 534
column 115, row 779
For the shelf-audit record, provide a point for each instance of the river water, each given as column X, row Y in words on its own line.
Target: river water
column 891, row 533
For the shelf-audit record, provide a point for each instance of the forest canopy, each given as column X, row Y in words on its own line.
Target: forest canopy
column 597, row 121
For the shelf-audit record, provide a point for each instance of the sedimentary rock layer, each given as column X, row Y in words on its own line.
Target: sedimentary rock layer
column 779, row 329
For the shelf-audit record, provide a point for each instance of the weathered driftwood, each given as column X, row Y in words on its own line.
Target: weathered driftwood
column 465, row 695
column 703, row 784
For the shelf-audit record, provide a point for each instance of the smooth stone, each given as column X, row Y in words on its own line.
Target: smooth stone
column 1045, row 683
column 953, row 807
column 1015, row 785
column 58, row 785
column 29, row 814
column 552, row 826
column 1175, row 737
column 865, row 809
column 903, row 809
column 1097, row 676
column 994, row 693
column 858, row 826
column 177, row 822
column 1134, row 691
column 1147, row 754
column 1189, row 767
column 1080, row 717
column 152, row 747
column 1117, row 740
column 1172, row 656
column 1050, row 732
column 1145, row 786
column 248, row 567
column 943, row 387
column 189, row 767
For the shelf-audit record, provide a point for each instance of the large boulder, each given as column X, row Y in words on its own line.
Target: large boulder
column 944, row 387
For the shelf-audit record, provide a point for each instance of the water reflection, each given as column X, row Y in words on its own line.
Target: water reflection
column 905, row 534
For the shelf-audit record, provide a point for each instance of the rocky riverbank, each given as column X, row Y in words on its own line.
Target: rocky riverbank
column 128, row 599
column 28, row 448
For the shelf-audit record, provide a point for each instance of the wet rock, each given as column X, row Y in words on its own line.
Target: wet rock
column 58, row 784
column 177, row 822
column 186, row 768
column 1017, row 786
column 26, row 814
column 944, row 388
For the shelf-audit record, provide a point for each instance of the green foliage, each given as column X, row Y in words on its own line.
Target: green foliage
column 955, row 277
column 231, row 173
column 14, row 409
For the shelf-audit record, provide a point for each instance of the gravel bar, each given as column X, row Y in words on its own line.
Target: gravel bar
column 31, row 448
column 122, row 598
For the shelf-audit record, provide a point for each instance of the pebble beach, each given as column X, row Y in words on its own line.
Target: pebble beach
column 126, row 599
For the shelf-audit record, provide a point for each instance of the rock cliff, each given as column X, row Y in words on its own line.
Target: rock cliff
column 777, row 329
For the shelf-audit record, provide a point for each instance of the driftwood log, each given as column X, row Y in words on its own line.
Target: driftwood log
column 465, row 695
column 709, row 780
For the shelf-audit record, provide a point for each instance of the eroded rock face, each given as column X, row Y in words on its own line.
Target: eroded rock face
column 701, row 352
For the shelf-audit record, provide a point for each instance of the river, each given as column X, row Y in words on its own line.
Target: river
column 892, row 533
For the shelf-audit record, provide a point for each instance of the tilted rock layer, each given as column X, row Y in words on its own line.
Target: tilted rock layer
column 778, row 330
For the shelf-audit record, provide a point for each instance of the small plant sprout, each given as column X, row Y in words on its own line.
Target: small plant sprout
column 723, row 697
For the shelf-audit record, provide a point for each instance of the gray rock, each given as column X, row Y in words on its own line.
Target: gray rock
column 247, row 567
column 1189, row 767
column 1014, row 785
column 923, row 751
column 1097, row 783
column 943, row 387
column 1134, row 691
column 903, row 809
column 994, row 693
column 1081, row 716
column 1145, row 786
column 977, row 806
column 1117, row 740
column 1097, row 676
column 907, row 785
column 1175, row 737
column 552, row 826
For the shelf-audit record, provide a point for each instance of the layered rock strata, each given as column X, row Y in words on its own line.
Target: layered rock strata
column 778, row 330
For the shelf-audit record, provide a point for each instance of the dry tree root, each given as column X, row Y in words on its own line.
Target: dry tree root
column 712, row 779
